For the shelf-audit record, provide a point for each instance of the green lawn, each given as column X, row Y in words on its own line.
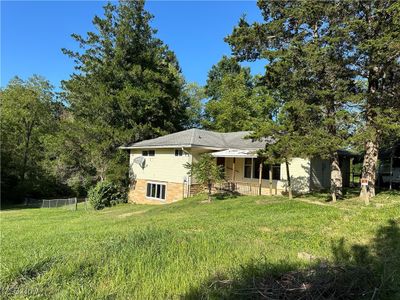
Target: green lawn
column 243, row 247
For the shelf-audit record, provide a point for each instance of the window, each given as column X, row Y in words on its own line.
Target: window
column 255, row 164
column 256, row 169
column 148, row 153
column 221, row 161
column 156, row 190
column 178, row 152
column 248, row 164
column 276, row 172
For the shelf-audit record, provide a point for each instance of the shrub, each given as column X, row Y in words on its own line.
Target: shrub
column 106, row 194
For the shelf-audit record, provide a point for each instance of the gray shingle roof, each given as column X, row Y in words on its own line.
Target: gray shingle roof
column 202, row 138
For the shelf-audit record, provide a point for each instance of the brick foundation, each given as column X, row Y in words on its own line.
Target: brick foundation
column 177, row 191
column 137, row 194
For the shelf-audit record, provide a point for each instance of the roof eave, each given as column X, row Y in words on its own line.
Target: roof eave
column 171, row 146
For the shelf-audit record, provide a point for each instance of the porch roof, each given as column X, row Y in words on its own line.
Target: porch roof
column 238, row 153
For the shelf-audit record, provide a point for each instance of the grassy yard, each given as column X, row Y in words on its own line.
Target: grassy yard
column 243, row 247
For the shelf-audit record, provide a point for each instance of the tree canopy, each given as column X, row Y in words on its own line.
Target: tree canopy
column 235, row 101
column 29, row 111
column 126, row 87
column 320, row 65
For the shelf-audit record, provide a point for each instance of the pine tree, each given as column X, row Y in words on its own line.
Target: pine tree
column 308, row 70
column 372, row 28
column 127, row 86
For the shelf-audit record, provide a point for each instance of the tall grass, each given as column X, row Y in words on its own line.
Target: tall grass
column 178, row 250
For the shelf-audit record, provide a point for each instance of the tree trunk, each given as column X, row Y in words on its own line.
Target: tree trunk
column 209, row 191
column 371, row 145
column 370, row 164
column 336, row 178
column 288, row 179
column 270, row 180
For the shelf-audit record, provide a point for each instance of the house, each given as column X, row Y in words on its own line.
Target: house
column 158, row 173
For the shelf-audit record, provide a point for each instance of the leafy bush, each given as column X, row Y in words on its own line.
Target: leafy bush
column 106, row 194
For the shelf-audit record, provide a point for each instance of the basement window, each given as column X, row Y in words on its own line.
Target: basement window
column 148, row 153
column 156, row 191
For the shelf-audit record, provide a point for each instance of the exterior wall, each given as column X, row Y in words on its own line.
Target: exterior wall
column 164, row 166
column 174, row 192
column 321, row 173
column 299, row 172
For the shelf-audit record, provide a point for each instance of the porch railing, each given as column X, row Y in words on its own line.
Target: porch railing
column 244, row 188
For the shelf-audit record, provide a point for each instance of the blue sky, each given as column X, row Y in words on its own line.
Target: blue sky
column 33, row 33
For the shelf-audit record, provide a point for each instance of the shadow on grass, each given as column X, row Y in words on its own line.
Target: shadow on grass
column 17, row 207
column 356, row 272
column 348, row 193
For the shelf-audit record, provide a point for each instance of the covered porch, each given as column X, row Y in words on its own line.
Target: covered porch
column 247, row 174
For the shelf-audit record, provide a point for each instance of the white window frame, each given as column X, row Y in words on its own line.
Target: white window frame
column 156, row 183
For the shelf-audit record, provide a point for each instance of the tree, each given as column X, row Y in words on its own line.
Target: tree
column 236, row 101
column 206, row 172
column 127, row 86
column 226, row 66
column 285, row 145
column 194, row 95
column 308, row 70
column 372, row 29
column 28, row 112
column 233, row 111
column 228, row 89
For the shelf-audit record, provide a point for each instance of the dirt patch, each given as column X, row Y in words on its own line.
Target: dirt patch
column 314, row 202
column 106, row 212
column 306, row 256
column 289, row 229
column 264, row 229
column 268, row 202
column 205, row 202
column 27, row 274
column 139, row 212
column 193, row 230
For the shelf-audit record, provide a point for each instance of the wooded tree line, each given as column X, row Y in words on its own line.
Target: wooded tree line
column 331, row 82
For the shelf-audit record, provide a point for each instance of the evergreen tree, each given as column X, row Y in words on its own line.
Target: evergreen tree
column 372, row 28
column 286, row 141
column 127, row 86
column 308, row 70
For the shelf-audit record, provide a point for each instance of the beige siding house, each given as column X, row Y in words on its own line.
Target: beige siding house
column 158, row 174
